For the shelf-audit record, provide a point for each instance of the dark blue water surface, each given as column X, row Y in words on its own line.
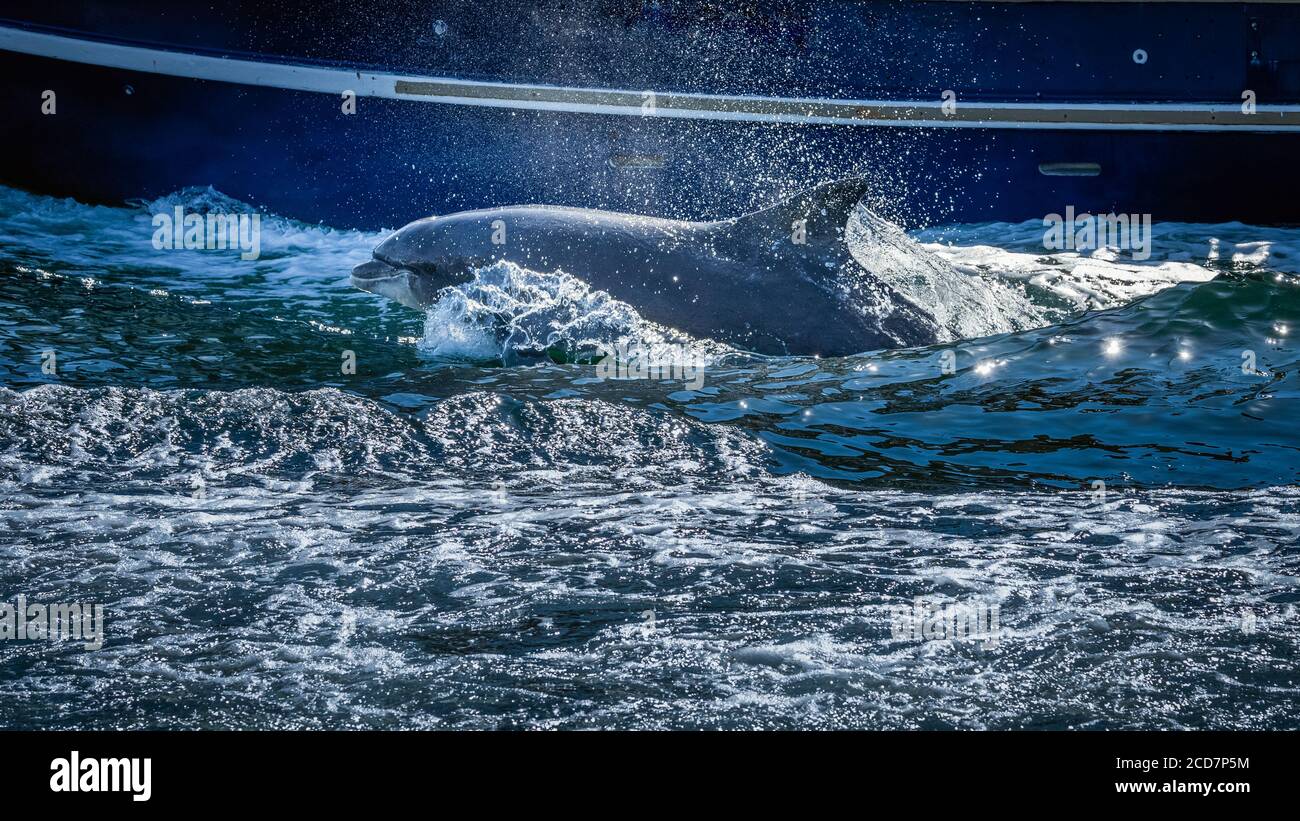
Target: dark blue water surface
column 461, row 534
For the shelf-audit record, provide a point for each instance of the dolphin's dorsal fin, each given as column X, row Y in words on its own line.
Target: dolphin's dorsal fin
column 825, row 207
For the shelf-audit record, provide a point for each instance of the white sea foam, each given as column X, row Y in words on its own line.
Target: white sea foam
column 302, row 606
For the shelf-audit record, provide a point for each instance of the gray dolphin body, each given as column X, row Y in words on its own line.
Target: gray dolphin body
column 754, row 282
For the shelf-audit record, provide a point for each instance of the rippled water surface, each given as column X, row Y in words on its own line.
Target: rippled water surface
column 466, row 533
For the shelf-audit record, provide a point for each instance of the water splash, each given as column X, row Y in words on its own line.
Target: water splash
column 512, row 314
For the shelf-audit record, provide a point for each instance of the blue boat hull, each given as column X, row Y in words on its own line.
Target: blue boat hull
column 124, row 133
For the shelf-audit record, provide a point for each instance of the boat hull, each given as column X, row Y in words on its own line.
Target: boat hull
column 120, row 133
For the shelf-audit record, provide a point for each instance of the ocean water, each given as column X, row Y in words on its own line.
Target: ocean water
column 474, row 530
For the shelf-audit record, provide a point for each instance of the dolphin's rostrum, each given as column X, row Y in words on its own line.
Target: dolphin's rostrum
column 778, row 281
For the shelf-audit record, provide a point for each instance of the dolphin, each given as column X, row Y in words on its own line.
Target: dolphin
column 778, row 281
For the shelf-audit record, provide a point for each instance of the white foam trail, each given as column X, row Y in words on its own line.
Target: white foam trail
column 1060, row 284
column 298, row 261
column 974, row 288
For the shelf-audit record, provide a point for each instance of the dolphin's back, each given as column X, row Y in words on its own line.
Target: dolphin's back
column 781, row 280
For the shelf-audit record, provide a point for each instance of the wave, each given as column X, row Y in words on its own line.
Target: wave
column 183, row 440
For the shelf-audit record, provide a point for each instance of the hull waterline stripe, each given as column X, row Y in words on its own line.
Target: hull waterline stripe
column 743, row 108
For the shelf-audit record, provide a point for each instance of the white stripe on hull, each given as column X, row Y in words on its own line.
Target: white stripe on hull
column 743, row 108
